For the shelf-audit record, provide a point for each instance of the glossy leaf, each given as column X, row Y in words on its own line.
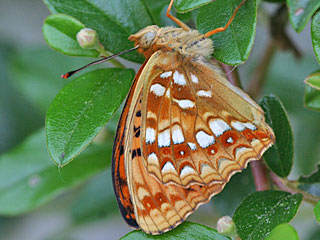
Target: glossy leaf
column 315, row 35
column 186, row 230
column 60, row 32
column 283, row 231
column 317, row 211
column 300, row 12
column 313, row 80
column 82, row 108
column 280, row 156
column 261, row 212
column 234, row 45
column 114, row 21
column 312, row 98
column 28, row 178
column 188, row 5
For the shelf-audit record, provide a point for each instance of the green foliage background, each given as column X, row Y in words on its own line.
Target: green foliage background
column 43, row 201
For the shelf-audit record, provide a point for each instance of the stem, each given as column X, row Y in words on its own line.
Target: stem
column 104, row 53
column 292, row 187
column 257, row 168
column 259, row 174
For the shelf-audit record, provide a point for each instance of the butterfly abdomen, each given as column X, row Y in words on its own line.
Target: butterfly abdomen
column 188, row 43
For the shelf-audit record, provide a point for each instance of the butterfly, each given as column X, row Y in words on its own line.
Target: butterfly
column 184, row 130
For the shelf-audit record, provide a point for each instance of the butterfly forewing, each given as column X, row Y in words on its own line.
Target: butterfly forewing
column 197, row 127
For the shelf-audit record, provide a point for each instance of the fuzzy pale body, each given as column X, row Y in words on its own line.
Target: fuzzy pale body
column 185, row 130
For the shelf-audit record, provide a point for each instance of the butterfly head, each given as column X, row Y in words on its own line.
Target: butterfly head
column 145, row 38
column 188, row 43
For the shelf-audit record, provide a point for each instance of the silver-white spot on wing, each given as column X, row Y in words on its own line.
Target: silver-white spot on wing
column 166, row 74
column 218, row 127
column 150, row 135
column 204, row 139
column 157, row 89
column 179, row 78
column 164, row 138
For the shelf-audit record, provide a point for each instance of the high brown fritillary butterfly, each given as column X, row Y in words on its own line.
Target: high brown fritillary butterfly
column 184, row 130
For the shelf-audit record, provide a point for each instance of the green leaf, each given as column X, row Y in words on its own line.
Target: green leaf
column 186, row 230
column 35, row 77
column 313, row 80
column 60, row 32
column 82, row 108
column 283, row 231
column 188, row 5
column 28, row 178
column 317, row 211
column 280, row 156
column 260, row 212
column 315, row 35
column 114, row 21
column 301, row 11
column 96, row 200
column 311, row 184
column 234, row 45
column 312, row 98
column 313, row 178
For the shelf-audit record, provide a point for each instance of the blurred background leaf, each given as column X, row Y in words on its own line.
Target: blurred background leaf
column 29, row 178
column 300, row 12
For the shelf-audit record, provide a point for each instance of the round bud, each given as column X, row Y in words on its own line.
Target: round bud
column 226, row 226
column 87, row 38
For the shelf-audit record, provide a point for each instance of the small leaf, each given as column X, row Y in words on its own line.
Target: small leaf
column 283, row 231
column 313, row 80
column 186, row 230
column 312, row 98
column 28, row 178
column 260, row 212
column 301, row 11
column 280, row 156
column 315, row 35
column 233, row 45
column 60, row 32
column 96, row 200
column 82, row 108
column 114, row 21
column 188, row 5
column 311, row 184
column 317, row 211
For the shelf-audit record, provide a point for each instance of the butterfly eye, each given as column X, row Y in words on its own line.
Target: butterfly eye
column 147, row 39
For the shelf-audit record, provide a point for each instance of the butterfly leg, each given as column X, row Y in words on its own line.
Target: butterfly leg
column 222, row 29
column 176, row 20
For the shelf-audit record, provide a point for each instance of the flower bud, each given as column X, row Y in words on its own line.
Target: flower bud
column 226, row 226
column 87, row 38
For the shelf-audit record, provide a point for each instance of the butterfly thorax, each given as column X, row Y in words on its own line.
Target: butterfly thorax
column 188, row 43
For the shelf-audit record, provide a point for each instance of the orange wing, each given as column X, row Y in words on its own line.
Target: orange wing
column 185, row 131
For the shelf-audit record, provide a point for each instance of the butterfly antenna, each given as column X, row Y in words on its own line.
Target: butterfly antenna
column 234, row 67
column 222, row 29
column 69, row 74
